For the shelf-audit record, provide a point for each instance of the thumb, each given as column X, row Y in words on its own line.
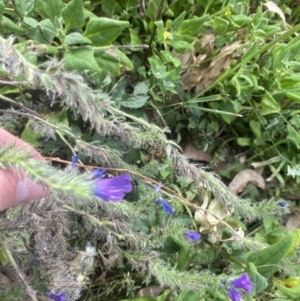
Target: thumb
column 14, row 188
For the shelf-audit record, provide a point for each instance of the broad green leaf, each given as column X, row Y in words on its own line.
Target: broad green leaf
column 103, row 31
column 73, row 15
column 190, row 296
column 243, row 141
column 269, row 105
column 109, row 7
column 252, row 50
column 134, row 102
column 293, row 135
column 160, row 31
column 256, row 128
column 266, row 260
column 9, row 25
column 2, row 6
column 113, row 60
column 31, row 137
column 49, row 8
column 30, row 21
column 47, row 29
column 193, row 26
column 81, row 59
column 24, row 6
column 259, row 282
column 293, row 292
column 177, row 23
column 134, row 37
column 76, row 38
column 180, row 46
column 220, row 25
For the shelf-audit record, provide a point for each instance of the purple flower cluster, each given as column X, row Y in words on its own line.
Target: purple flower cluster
column 192, row 236
column 243, row 283
column 165, row 205
column 111, row 189
column 56, row 296
column 74, row 161
column 160, row 201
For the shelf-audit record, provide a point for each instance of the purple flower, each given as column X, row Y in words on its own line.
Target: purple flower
column 234, row 295
column 113, row 189
column 282, row 204
column 75, row 159
column 165, row 205
column 56, row 296
column 243, row 283
column 192, row 235
column 97, row 173
column 158, row 187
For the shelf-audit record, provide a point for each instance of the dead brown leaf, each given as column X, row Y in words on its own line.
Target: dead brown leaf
column 273, row 7
column 202, row 77
column 5, row 281
column 293, row 221
column 243, row 178
column 196, row 154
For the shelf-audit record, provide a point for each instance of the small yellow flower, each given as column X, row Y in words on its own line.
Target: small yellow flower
column 228, row 12
column 166, row 35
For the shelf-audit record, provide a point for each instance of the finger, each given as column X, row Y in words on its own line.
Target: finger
column 14, row 188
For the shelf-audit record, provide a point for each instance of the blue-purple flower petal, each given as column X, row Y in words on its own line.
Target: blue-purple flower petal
column 192, row 235
column 75, row 159
column 56, row 296
column 166, row 206
column 98, row 173
column 113, row 189
column 282, row 204
column 243, row 283
column 234, row 295
column 158, row 187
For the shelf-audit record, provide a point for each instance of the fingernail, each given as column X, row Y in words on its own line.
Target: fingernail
column 22, row 191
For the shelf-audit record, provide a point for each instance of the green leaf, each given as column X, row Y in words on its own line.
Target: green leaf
column 180, row 46
column 255, row 127
column 81, row 59
column 49, row 8
column 189, row 296
column 31, row 137
column 134, row 37
column 259, row 282
column 243, row 141
column 293, row 136
column 253, row 49
column 293, row 292
column 193, row 26
column 76, row 38
column 2, row 6
column 30, row 21
column 220, row 25
column 47, row 29
column 12, row 26
column 113, row 61
column 266, row 260
column 73, row 15
column 269, row 105
column 134, row 102
column 24, row 6
column 103, row 31
column 177, row 23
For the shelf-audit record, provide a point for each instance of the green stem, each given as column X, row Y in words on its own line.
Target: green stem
column 15, row 266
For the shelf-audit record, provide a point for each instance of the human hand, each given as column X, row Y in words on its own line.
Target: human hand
column 14, row 188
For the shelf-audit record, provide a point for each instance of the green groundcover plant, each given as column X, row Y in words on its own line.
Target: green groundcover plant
column 109, row 92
